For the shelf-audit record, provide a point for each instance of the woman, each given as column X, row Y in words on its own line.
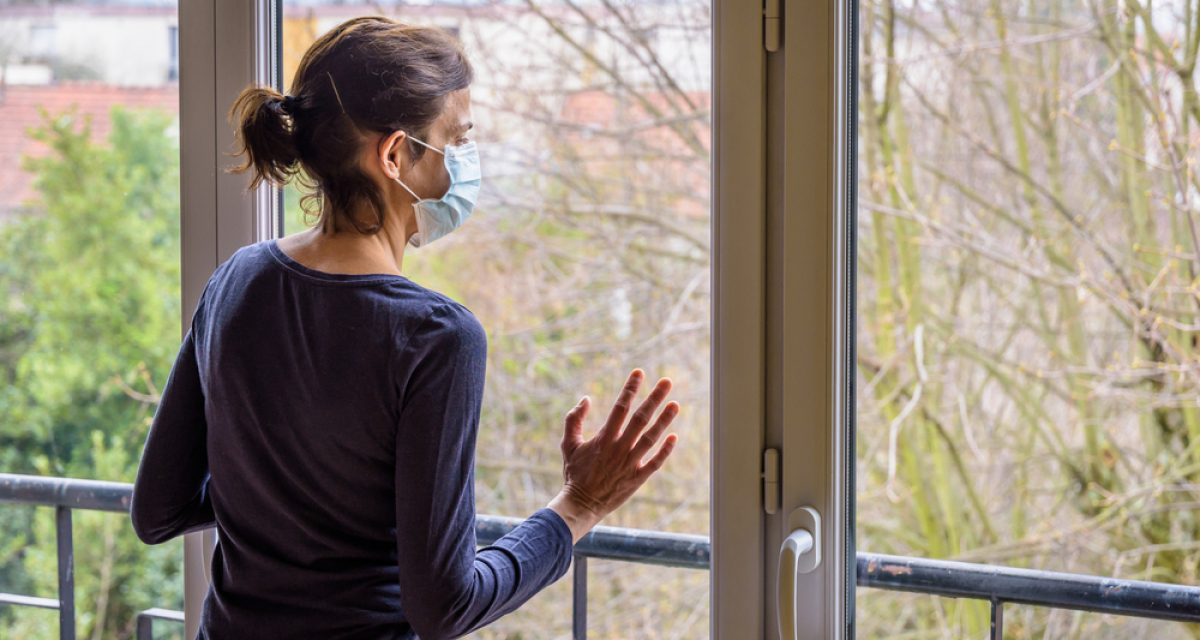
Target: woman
column 323, row 408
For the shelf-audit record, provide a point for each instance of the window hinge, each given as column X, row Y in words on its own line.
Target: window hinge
column 770, row 477
column 772, row 25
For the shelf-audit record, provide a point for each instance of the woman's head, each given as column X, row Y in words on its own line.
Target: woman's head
column 360, row 92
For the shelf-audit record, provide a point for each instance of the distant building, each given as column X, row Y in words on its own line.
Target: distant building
column 139, row 45
column 127, row 46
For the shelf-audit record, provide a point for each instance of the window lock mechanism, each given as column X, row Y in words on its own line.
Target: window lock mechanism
column 770, row 477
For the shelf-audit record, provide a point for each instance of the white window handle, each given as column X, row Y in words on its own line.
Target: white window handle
column 800, row 553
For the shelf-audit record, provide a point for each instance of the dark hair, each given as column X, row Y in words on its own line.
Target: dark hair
column 367, row 75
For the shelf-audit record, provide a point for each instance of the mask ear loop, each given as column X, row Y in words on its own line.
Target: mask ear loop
column 408, row 190
column 413, row 193
column 416, row 210
column 414, row 139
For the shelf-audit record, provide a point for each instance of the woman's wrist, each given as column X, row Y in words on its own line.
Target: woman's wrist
column 579, row 518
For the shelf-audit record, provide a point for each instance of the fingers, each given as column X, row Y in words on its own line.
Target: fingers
column 651, row 436
column 573, row 432
column 655, row 463
column 620, row 409
column 645, row 412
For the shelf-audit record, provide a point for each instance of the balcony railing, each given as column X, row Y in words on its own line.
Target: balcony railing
column 998, row 585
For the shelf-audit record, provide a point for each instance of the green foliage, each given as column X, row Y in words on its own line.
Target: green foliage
column 89, row 328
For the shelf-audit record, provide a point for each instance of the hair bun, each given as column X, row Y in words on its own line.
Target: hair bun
column 263, row 126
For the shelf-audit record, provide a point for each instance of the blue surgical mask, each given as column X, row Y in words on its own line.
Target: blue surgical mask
column 437, row 217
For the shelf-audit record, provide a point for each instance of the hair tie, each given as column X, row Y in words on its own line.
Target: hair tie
column 289, row 104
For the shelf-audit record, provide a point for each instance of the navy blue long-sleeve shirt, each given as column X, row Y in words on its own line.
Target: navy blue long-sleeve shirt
column 326, row 423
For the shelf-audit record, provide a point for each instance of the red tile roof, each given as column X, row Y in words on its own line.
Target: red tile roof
column 19, row 112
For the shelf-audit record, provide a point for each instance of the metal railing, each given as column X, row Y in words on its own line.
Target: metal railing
column 65, row 495
column 997, row 585
column 1001, row 585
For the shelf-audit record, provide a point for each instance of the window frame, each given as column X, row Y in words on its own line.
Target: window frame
column 769, row 234
column 809, row 301
column 224, row 46
column 738, row 580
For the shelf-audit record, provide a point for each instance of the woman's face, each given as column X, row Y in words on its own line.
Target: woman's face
column 428, row 176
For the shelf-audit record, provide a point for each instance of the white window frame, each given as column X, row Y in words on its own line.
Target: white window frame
column 738, row 587
column 782, row 283
column 809, row 281
column 224, row 46
column 782, row 310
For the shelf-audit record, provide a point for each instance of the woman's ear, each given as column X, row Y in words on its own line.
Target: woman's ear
column 392, row 158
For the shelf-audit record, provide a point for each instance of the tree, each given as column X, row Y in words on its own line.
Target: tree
column 1028, row 299
column 90, row 317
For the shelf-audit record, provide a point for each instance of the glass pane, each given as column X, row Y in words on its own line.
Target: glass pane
column 587, row 256
column 1027, row 277
column 89, row 291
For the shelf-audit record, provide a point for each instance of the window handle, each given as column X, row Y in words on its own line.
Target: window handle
column 800, row 553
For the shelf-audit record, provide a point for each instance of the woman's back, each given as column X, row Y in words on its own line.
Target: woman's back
column 331, row 403
column 297, row 368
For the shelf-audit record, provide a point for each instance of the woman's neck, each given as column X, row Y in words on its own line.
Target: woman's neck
column 350, row 252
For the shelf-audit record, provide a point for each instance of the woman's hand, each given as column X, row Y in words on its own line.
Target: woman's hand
column 600, row 474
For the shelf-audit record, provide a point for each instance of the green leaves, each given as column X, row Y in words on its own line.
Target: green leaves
column 89, row 328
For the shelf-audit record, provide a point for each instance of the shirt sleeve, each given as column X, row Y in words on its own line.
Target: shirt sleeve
column 170, row 494
column 448, row 588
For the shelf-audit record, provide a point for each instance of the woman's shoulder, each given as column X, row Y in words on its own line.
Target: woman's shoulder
column 244, row 259
column 431, row 314
column 444, row 330
column 445, row 314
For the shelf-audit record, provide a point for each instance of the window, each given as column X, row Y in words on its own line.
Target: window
column 966, row 326
column 1027, row 313
column 641, row 209
column 89, row 294
column 587, row 255
column 41, row 41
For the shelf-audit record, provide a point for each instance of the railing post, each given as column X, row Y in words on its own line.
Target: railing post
column 579, row 599
column 145, row 628
column 997, row 619
column 66, row 573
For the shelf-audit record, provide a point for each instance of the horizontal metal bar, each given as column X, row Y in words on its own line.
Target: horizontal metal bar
column 612, row 543
column 28, row 601
column 1029, row 586
column 616, row 543
column 936, row 577
column 66, row 492
column 162, row 614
